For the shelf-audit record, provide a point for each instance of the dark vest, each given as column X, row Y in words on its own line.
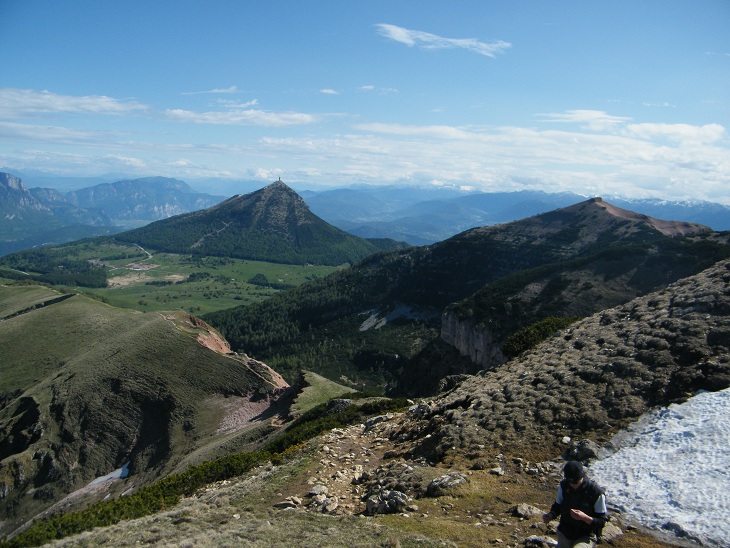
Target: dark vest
column 584, row 498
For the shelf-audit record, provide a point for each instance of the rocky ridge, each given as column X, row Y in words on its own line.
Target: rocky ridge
column 593, row 378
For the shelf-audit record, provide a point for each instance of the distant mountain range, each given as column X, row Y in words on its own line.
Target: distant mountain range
column 43, row 216
column 422, row 216
column 63, row 212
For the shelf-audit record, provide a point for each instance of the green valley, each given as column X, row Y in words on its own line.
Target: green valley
column 145, row 281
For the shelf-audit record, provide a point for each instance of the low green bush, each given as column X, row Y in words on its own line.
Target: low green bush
column 534, row 334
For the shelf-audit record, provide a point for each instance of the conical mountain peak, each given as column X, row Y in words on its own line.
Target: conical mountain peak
column 270, row 224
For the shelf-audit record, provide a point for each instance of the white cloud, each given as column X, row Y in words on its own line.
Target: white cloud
column 329, row 91
column 642, row 162
column 230, row 89
column 48, row 134
column 595, row 120
column 708, row 133
column 236, row 104
column 432, row 41
column 125, row 161
column 19, row 103
column 379, row 91
column 250, row 117
column 438, row 132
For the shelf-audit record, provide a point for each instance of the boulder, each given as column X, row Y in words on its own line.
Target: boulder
column 387, row 502
column 526, row 511
column 439, row 486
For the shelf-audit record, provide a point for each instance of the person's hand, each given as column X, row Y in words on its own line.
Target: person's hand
column 581, row 516
column 547, row 518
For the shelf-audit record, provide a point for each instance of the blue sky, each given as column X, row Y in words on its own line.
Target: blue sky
column 628, row 98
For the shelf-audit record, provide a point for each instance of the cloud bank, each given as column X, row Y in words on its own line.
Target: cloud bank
column 590, row 152
column 20, row 103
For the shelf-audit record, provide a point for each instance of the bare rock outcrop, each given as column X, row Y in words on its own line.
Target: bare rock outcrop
column 474, row 341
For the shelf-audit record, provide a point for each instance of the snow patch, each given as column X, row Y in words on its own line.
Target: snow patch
column 119, row 473
column 670, row 470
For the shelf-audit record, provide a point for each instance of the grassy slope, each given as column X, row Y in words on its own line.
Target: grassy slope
column 317, row 390
column 13, row 300
column 110, row 386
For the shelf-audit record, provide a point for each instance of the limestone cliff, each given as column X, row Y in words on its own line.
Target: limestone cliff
column 475, row 341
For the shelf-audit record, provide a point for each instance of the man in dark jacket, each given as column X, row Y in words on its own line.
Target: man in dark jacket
column 581, row 506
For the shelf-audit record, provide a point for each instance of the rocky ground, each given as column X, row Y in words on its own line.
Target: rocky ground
column 350, row 487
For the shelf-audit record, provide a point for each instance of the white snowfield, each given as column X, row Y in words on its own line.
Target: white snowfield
column 672, row 470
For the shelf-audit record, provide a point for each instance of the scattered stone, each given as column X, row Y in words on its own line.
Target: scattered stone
column 387, row 502
column 611, row 531
column 498, row 471
column 526, row 511
column 537, row 541
column 442, row 484
column 419, row 411
column 372, row 421
column 582, row 450
column 318, row 489
column 330, row 505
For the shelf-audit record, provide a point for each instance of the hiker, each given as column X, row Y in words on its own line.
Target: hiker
column 581, row 507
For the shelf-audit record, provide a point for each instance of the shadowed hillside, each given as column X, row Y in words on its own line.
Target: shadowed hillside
column 600, row 374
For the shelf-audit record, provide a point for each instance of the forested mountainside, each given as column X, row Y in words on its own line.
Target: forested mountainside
column 272, row 224
column 379, row 323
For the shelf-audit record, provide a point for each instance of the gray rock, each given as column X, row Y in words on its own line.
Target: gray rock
column 330, row 505
column 611, row 531
column 526, row 511
column 538, row 541
column 387, row 502
column 583, row 450
column 419, row 411
column 372, row 421
column 442, row 484
column 318, row 489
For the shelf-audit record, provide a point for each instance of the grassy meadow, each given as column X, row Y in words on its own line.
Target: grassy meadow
column 150, row 281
